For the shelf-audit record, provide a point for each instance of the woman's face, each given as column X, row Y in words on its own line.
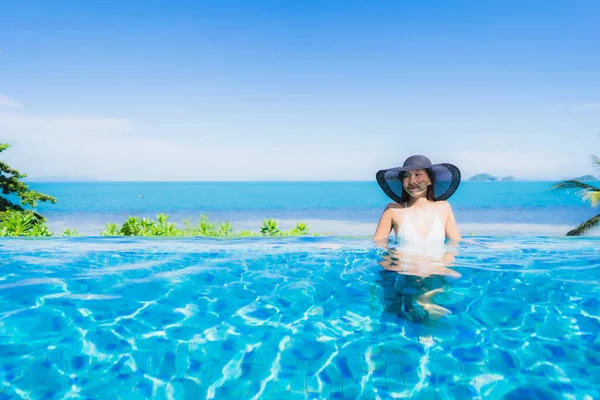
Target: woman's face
column 416, row 182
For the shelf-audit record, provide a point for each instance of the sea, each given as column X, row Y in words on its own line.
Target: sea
column 329, row 208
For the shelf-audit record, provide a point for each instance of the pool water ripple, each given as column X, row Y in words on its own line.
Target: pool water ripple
column 299, row 318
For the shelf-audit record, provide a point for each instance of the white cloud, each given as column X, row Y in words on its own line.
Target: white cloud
column 110, row 149
column 6, row 103
column 104, row 148
column 272, row 147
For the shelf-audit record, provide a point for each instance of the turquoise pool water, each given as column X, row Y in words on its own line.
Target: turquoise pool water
column 511, row 318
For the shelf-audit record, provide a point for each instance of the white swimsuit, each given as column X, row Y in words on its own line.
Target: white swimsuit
column 408, row 234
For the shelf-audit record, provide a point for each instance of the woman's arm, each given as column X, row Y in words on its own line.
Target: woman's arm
column 452, row 232
column 384, row 227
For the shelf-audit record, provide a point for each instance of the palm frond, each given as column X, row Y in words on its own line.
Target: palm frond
column 571, row 184
column 586, row 226
column 592, row 197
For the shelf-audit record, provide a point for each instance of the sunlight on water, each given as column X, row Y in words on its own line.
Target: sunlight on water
column 299, row 318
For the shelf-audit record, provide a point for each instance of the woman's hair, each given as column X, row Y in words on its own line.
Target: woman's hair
column 430, row 193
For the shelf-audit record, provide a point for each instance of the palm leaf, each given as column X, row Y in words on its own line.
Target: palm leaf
column 571, row 184
column 586, row 226
column 593, row 197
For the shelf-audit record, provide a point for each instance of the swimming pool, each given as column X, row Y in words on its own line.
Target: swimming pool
column 298, row 318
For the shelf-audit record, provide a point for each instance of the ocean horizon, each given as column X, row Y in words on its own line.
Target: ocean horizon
column 347, row 208
column 90, row 180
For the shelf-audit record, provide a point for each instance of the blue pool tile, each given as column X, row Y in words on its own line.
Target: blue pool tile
column 167, row 368
column 396, row 387
column 471, row 370
column 343, row 364
column 312, row 384
column 78, row 362
column 247, row 368
column 145, row 388
column 440, row 378
column 468, row 354
column 298, row 383
column 311, row 395
column 350, row 390
column 231, row 390
column 508, row 359
column 285, row 395
column 531, row 393
column 462, row 389
column 190, row 389
column 123, row 377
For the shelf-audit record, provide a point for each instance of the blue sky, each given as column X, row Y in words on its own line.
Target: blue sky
column 274, row 90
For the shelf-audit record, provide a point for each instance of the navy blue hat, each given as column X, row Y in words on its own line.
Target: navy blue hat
column 446, row 178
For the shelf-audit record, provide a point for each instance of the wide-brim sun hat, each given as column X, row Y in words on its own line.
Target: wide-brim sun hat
column 446, row 180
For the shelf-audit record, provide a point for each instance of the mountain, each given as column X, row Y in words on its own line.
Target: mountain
column 59, row 178
column 586, row 178
column 483, row 177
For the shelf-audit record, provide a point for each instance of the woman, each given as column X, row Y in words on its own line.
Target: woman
column 420, row 213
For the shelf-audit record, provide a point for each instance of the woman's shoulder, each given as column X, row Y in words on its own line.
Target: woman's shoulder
column 441, row 204
column 392, row 206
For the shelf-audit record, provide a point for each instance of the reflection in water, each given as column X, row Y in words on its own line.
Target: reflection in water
column 412, row 275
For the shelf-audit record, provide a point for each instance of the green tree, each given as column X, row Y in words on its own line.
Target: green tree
column 589, row 193
column 300, row 229
column 11, row 184
column 269, row 227
column 22, row 223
